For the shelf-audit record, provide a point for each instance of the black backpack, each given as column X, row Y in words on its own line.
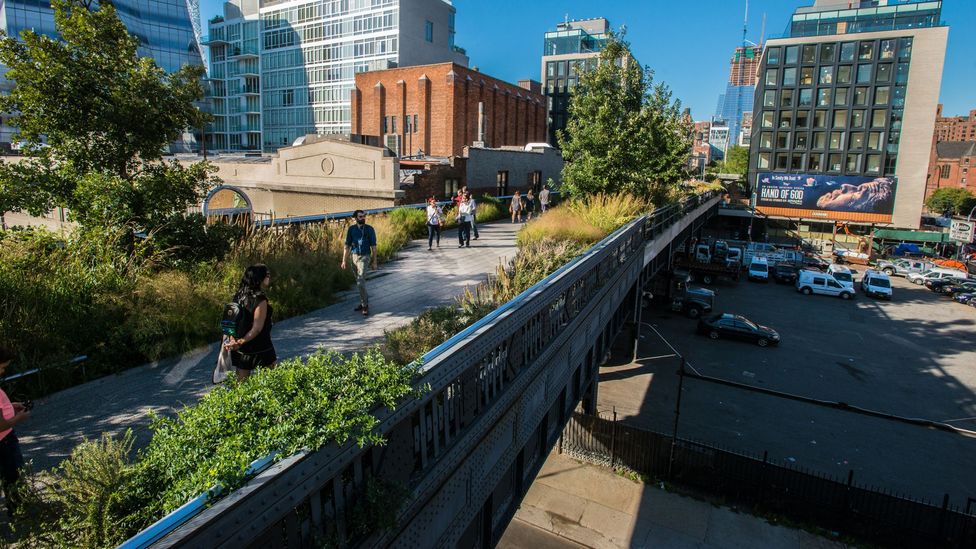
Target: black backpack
column 236, row 320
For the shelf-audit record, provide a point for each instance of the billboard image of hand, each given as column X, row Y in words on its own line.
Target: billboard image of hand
column 870, row 196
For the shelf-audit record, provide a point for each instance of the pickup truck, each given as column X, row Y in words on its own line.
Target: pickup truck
column 903, row 267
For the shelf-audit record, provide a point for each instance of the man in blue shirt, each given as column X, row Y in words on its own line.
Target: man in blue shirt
column 361, row 244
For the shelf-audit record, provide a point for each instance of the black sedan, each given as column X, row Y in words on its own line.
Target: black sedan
column 737, row 327
column 784, row 273
column 939, row 285
column 959, row 288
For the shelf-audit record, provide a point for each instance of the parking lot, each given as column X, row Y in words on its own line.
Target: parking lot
column 913, row 356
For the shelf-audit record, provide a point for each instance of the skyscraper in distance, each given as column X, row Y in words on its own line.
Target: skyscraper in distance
column 739, row 93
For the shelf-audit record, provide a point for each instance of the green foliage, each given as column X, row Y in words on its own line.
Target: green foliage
column 736, row 162
column 559, row 224
column 434, row 326
column 625, row 134
column 411, row 221
column 609, row 212
column 325, row 400
column 954, row 200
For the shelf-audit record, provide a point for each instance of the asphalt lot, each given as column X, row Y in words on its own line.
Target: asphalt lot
column 913, row 356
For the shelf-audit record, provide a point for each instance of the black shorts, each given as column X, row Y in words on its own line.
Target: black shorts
column 11, row 460
column 250, row 361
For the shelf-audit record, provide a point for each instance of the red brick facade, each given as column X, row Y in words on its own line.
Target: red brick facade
column 955, row 128
column 952, row 164
column 443, row 99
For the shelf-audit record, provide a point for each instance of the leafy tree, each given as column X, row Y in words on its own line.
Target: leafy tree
column 736, row 162
column 95, row 119
column 952, row 200
column 625, row 134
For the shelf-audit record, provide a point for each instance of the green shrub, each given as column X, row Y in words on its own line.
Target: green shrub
column 608, row 212
column 434, row 326
column 559, row 224
column 412, row 221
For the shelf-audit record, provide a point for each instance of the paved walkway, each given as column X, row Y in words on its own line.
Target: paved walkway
column 590, row 505
column 399, row 291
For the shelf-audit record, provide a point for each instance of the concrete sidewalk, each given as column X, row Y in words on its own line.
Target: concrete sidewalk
column 399, row 291
column 590, row 505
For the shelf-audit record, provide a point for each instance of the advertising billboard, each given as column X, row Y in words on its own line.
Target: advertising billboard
column 828, row 197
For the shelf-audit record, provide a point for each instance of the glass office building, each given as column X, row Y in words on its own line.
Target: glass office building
column 851, row 93
column 164, row 28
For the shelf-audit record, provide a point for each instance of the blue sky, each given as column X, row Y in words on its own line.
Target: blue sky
column 686, row 42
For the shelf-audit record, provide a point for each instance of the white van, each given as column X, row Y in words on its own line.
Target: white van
column 841, row 274
column 815, row 282
column 759, row 269
column 876, row 283
column 935, row 273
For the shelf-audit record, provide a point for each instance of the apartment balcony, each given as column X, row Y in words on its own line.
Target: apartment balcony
column 242, row 52
column 214, row 40
column 252, row 109
column 252, row 90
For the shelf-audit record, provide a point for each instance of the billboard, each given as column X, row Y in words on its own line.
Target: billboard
column 828, row 197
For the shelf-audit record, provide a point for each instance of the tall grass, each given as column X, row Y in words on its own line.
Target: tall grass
column 609, row 211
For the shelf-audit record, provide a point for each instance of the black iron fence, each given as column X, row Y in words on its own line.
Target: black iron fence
column 841, row 505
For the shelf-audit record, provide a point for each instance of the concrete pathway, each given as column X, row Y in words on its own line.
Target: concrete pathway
column 592, row 506
column 399, row 291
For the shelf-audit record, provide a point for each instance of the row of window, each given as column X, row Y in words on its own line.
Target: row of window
column 292, row 78
column 359, row 24
column 882, row 73
column 851, row 163
column 388, row 125
column 856, row 141
column 319, row 9
column 383, row 46
column 860, row 96
column 868, row 50
column 836, row 119
column 307, row 116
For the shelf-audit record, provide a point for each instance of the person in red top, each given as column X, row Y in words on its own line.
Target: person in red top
column 11, row 460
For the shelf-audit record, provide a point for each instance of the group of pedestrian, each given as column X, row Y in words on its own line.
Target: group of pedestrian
column 466, row 208
column 518, row 206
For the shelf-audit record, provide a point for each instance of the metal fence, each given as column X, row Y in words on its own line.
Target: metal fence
column 497, row 396
column 842, row 505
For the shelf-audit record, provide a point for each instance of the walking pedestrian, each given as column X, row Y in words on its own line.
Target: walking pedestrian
column 474, row 215
column 544, row 199
column 435, row 220
column 361, row 244
column 529, row 205
column 464, row 222
column 516, row 207
column 254, row 348
column 11, row 458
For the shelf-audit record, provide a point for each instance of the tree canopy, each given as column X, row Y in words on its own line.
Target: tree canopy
column 951, row 200
column 625, row 133
column 736, row 162
column 95, row 118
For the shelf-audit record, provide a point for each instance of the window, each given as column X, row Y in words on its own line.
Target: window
column 766, row 140
column 873, row 164
column 836, row 141
column 856, row 141
column 767, row 119
column 887, row 49
column 415, row 118
column 840, row 96
column 782, row 161
column 769, row 98
column 764, row 160
column 809, row 54
column 860, row 97
column 823, row 97
column 792, row 54
column 863, row 74
column 844, row 74
column 866, row 51
column 819, row 281
column 783, row 140
column 857, row 119
column 772, row 56
column 802, row 139
column 806, row 98
column 802, row 119
column 785, row 119
column 901, row 73
column 840, row 118
column 833, row 284
column 827, row 53
column 874, row 141
column 771, row 77
column 501, row 180
column 786, row 98
column 896, row 118
column 819, row 140
column 429, row 31
column 833, row 162
column 826, row 75
column 879, row 118
column 815, row 162
column 796, row 162
column 393, row 124
column 882, row 95
column 853, row 163
column 789, row 76
column 451, row 186
column 820, row 119
column 884, row 73
column 847, row 51
column 891, row 163
column 905, row 48
column 806, row 76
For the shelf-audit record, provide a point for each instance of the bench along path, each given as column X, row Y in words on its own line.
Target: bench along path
column 399, row 291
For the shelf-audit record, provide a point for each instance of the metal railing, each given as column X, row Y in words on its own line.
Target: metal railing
column 497, row 395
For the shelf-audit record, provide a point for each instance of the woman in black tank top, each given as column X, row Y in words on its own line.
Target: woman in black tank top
column 255, row 347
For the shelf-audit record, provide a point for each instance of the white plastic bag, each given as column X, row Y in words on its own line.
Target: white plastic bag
column 224, row 366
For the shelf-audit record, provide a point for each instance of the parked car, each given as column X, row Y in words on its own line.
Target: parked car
column 784, row 273
column 759, row 269
column 938, row 285
column 737, row 327
column 842, row 274
column 876, row 283
column 903, row 267
column 815, row 282
column 964, row 298
column 960, row 288
column 814, row 263
column 935, row 272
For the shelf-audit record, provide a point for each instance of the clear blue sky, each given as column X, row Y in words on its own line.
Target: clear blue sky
column 686, row 42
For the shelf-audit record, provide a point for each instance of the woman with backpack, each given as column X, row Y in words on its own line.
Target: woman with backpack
column 435, row 220
column 254, row 348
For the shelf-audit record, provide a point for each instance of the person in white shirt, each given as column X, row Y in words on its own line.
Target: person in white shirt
column 435, row 220
column 474, row 216
column 465, row 216
column 543, row 199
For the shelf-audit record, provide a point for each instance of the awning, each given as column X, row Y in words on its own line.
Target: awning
column 911, row 236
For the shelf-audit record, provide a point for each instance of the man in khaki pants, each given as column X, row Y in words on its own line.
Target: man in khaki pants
column 361, row 243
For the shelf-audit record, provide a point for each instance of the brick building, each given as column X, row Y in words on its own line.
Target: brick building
column 433, row 110
column 953, row 164
column 955, row 128
column 701, row 150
